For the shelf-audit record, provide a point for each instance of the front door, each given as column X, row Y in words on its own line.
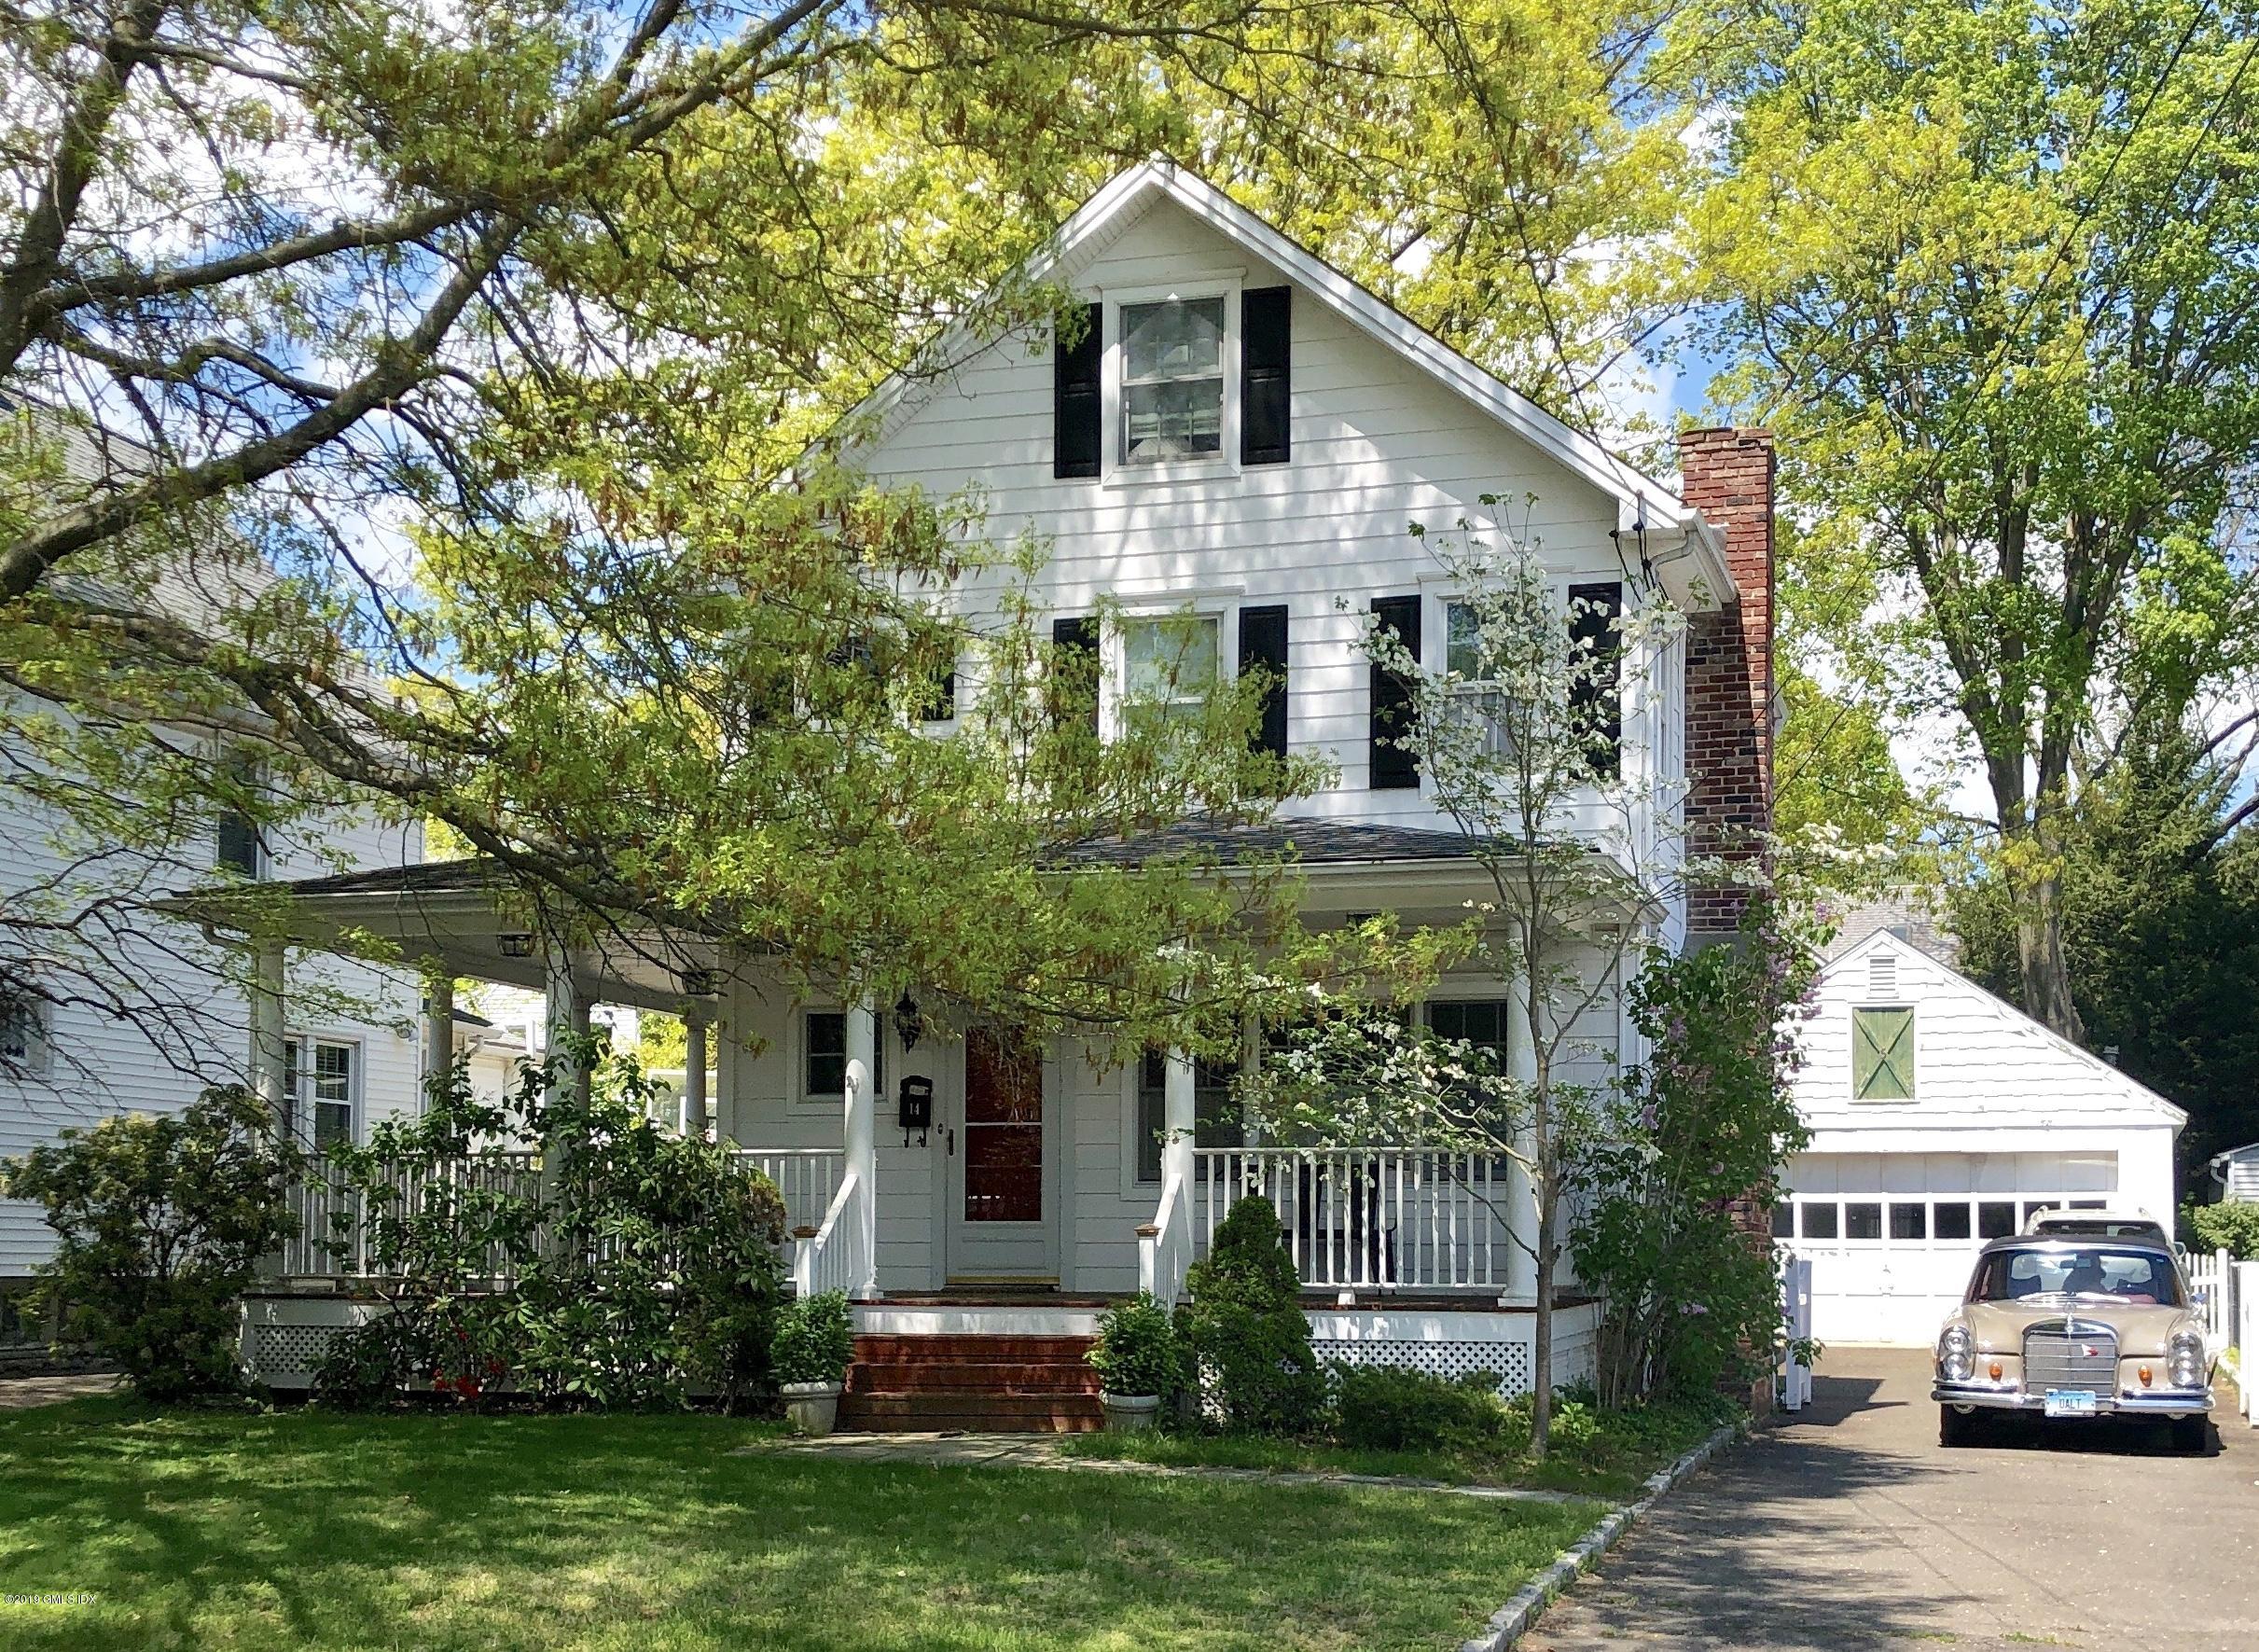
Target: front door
column 1002, row 1204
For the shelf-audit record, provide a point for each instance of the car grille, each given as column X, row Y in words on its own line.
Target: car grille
column 2071, row 1355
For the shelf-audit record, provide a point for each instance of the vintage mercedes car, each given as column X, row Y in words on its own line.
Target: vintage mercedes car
column 2075, row 1328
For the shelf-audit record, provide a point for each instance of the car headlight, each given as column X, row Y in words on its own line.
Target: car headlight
column 1956, row 1354
column 2184, row 1359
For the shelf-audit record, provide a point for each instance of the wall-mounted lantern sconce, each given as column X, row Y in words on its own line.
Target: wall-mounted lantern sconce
column 910, row 1025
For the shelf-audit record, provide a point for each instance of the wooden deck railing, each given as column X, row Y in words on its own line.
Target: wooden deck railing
column 1370, row 1218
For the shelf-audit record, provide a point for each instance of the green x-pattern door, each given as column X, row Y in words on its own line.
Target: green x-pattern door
column 1882, row 1054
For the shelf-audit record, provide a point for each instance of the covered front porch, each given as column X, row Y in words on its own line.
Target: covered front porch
column 955, row 1177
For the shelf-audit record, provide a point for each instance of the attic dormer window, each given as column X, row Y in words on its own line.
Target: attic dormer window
column 1173, row 380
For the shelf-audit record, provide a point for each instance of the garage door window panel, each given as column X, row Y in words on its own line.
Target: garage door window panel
column 1950, row 1221
column 1995, row 1219
column 1861, row 1220
column 1819, row 1221
column 1909, row 1221
column 1883, row 1053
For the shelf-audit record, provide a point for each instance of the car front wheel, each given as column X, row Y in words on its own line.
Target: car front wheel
column 1956, row 1428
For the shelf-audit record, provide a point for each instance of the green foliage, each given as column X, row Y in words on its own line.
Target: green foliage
column 2232, row 1227
column 1986, row 272
column 632, row 1269
column 1689, row 1294
column 1136, row 1352
column 160, row 1222
column 814, row 1341
column 1395, row 1408
column 2160, row 901
column 1243, row 1330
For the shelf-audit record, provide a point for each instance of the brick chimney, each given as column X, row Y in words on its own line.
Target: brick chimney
column 1728, row 474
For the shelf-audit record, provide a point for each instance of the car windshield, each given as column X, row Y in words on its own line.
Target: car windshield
column 2077, row 1273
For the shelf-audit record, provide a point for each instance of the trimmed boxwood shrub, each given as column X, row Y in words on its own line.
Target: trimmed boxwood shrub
column 1244, row 1330
column 2233, row 1227
column 1397, row 1409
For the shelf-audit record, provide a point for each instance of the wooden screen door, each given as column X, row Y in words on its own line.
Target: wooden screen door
column 1001, row 1222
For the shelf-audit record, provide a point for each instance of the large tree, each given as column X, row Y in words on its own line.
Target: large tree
column 1992, row 270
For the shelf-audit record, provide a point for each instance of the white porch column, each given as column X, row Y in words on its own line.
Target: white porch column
column 269, row 1064
column 694, row 1070
column 1521, row 1196
column 861, row 1136
column 438, row 1030
column 1177, row 1118
column 565, row 1020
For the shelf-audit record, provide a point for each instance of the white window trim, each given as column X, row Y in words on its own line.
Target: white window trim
column 1113, row 671
column 40, row 1043
column 800, row 1098
column 1133, row 1188
column 302, row 1103
column 1850, row 1074
column 1113, row 470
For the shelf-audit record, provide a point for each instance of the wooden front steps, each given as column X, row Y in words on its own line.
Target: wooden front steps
column 1004, row 1385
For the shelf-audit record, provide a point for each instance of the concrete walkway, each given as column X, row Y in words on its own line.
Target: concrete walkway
column 1040, row 1450
column 20, row 1394
column 1851, row 1527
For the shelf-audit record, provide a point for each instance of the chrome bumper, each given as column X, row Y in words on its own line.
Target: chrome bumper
column 2006, row 1396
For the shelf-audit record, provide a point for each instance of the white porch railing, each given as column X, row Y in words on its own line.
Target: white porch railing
column 1164, row 1247
column 808, row 1177
column 334, row 1232
column 1370, row 1218
column 838, row 1257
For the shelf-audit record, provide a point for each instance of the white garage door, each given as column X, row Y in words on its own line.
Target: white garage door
column 1891, row 1235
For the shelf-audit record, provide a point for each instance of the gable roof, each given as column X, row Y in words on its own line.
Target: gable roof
column 1696, row 574
column 2012, row 1020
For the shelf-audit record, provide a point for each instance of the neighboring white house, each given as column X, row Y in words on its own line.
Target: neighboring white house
column 2236, row 1171
column 1940, row 1117
column 1235, row 446
column 172, row 1022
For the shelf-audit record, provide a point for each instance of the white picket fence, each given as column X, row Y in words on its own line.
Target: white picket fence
column 2214, row 1278
column 2245, row 1278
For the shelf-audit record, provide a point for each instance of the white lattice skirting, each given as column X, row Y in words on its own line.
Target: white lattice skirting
column 1458, row 1344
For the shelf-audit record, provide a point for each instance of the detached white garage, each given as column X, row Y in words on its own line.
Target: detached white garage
column 1942, row 1117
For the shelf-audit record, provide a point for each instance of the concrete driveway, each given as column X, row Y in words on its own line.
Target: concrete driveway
column 1849, row 1526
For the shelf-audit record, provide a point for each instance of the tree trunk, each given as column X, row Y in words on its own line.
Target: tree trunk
column 2041, row 961
column 1541, row 1335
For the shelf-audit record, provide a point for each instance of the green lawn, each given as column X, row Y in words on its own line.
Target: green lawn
column 1595, row 1457
column 305, row 1529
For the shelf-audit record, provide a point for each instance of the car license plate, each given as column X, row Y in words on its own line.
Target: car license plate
column 2069, row 1402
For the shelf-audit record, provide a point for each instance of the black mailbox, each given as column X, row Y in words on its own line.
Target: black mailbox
column 914, row 1104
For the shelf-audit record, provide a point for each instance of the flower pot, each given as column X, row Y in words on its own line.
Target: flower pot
column 810, row 1408
column 1129, row 1413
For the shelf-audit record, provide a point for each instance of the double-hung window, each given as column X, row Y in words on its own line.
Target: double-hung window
column 1172, row 663
column 23, row 1036
column 1216, row 1121
column 319, row 1086
column 1173, row 380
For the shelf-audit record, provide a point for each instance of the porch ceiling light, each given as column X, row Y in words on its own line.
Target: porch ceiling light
column 515, row 944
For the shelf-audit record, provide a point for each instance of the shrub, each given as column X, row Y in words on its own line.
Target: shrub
column 161, row 1221
column 2232, row 1227
column 1244, row 1330
column 1394, row 1409
column 646, row 1265
column 814, row 1339
column 1136, row 1352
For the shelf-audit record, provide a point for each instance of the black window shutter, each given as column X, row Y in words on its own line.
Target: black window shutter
column 1075, row 400
column 1598, row 695
column 1263, row 647
column 1267, row 348
column 1393, row 766
column 1075, row 670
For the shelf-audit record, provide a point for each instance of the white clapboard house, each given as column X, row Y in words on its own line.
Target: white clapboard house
column 82, row 1039
column 1241, row 435
column 1940, row 1117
